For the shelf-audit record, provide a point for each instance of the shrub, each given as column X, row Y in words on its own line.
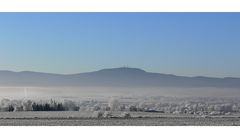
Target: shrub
column 97, row 114
column 125, row 115
column 107, row 114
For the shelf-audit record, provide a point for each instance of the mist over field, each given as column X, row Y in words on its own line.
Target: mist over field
column 106, row 92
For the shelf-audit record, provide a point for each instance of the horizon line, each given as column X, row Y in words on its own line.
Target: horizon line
column 194, row 76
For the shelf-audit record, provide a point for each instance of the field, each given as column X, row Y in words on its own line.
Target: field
column 71, row 118
column 127, row 108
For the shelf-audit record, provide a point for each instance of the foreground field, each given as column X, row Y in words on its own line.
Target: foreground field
column 122, row 122
column 137, row 119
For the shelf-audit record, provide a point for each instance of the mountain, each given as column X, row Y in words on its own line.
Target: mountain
column 115, row 77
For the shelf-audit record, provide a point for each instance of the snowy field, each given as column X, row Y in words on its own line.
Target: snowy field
column 74, row 118
column 119, row 107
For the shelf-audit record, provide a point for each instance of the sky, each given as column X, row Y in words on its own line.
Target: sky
column 187, row 44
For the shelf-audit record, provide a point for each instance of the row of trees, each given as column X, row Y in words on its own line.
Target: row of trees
column 29, row 105
column 114, row 105
column 48, row 107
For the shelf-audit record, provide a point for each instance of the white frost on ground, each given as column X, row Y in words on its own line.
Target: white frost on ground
column 171, row 105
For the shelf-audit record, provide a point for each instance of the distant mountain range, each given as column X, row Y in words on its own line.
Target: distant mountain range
column 115, row 77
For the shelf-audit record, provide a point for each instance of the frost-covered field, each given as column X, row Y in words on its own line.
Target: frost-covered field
column 119, row 108
column 74, row 118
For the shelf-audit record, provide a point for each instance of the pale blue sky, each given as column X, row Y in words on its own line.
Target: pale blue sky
column 191, row 44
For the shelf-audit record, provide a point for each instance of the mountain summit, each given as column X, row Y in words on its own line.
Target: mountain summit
column 123, row 70
column 114, row 77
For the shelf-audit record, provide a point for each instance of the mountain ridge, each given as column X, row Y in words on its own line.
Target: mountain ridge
column 113, row 77
column 107, row 69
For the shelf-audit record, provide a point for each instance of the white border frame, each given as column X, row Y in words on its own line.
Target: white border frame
column 120, row 132
column 119, row 5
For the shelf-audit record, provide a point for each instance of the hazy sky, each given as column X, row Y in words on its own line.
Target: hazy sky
column 189, row 44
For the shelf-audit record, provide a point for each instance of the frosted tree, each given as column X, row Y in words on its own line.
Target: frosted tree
column 113, row 104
